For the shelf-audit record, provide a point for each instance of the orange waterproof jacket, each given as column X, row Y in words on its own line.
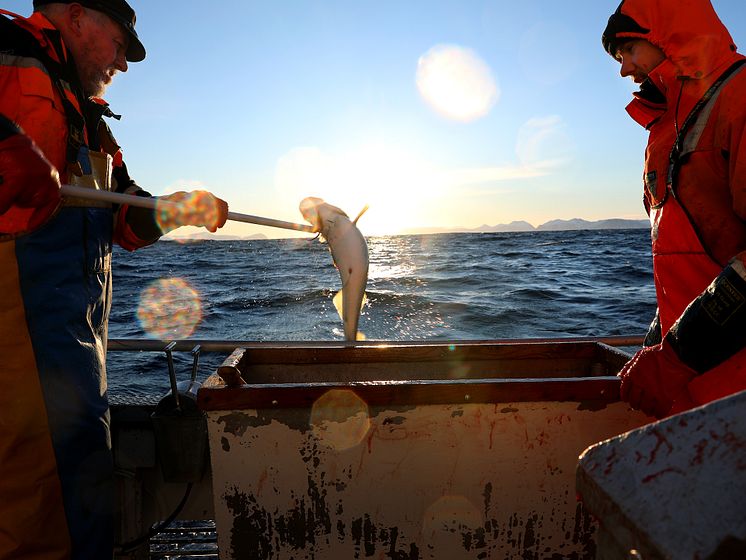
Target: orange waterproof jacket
column 699, row 219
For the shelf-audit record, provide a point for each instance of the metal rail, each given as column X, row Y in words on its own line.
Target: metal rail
column 208, row 345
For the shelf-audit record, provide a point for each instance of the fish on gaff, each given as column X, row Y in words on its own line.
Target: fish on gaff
column 350, row 254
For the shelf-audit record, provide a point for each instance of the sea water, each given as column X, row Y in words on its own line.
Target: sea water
column 542, row 284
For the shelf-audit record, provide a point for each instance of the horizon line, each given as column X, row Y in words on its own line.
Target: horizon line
column 573, row 224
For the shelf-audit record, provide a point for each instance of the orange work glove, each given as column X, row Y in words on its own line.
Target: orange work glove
column 29, row 184
column 196, row 208
column 655, row 381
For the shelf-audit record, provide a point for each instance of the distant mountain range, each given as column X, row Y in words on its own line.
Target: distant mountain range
column 213, row 237
column 553, row 225
column 516, row 226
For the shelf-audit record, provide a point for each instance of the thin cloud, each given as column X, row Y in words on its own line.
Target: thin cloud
column 543, row 143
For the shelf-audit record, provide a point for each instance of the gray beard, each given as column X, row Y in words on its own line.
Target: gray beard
column 96, row 89
column 93, row 85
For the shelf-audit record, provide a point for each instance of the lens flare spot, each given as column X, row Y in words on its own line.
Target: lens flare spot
column 181, row 208
column 169, row 308
column 340, row 419
column 456, row 82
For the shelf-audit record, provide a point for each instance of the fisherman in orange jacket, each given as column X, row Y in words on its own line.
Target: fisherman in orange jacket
column 56, row 472
column 691, row 101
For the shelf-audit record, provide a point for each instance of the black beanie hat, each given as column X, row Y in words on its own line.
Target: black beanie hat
column 120, row 12
column 619, row 23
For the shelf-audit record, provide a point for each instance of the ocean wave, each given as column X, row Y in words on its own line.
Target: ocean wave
column 452, row 286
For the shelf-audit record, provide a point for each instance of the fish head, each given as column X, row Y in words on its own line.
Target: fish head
column 320, row 214
column 309, row 208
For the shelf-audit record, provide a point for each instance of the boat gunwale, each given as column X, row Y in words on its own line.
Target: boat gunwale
column 590, row 392
column 226, row 345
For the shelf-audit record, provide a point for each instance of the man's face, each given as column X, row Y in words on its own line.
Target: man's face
column 638, row 57
column 99, row 52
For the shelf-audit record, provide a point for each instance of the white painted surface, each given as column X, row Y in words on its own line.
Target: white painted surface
column 429, row 482
column 675, row 488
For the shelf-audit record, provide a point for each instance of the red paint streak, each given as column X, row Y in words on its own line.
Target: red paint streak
column 661, row 440
column 529, row 445
column 542, row 438
column 262, row 480
column 560, row 419
column 699, row 457
column 371, row 433
column 659, row 473
column 610, row 462
column 734, row 442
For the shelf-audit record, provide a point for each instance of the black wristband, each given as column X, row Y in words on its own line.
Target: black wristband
column 142, row 220
column 7, row 128
column 713, row 327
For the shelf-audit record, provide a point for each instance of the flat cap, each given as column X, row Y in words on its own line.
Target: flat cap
column 119, row 11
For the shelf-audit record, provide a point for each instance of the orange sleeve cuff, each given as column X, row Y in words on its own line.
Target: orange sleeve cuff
column 124, row 235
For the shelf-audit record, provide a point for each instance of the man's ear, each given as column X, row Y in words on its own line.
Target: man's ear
column 74, row 18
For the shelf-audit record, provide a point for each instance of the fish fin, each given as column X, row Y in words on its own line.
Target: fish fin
column 337, row 301
column 363, row 211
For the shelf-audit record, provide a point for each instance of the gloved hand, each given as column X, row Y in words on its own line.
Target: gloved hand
column 655, row 381
column 29, row 184
column 198, row 208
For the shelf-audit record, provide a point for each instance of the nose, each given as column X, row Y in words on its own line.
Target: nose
column 626, row 68
column 121, row 62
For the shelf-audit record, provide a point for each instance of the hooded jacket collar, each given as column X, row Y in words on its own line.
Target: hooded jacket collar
column 651, row 101
column 45, row 33
column 689, row 33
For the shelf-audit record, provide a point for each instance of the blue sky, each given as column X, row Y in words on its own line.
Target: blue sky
column 265, row 103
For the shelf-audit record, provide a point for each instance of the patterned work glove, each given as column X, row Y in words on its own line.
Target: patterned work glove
column 196, row 208
column 655, row 381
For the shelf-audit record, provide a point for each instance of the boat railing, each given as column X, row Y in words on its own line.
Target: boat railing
column 210, row 345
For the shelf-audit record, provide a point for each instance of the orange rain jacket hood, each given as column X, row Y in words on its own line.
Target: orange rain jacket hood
column 688, row 32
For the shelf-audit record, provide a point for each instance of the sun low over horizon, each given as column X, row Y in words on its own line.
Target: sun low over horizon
column 438, row 114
